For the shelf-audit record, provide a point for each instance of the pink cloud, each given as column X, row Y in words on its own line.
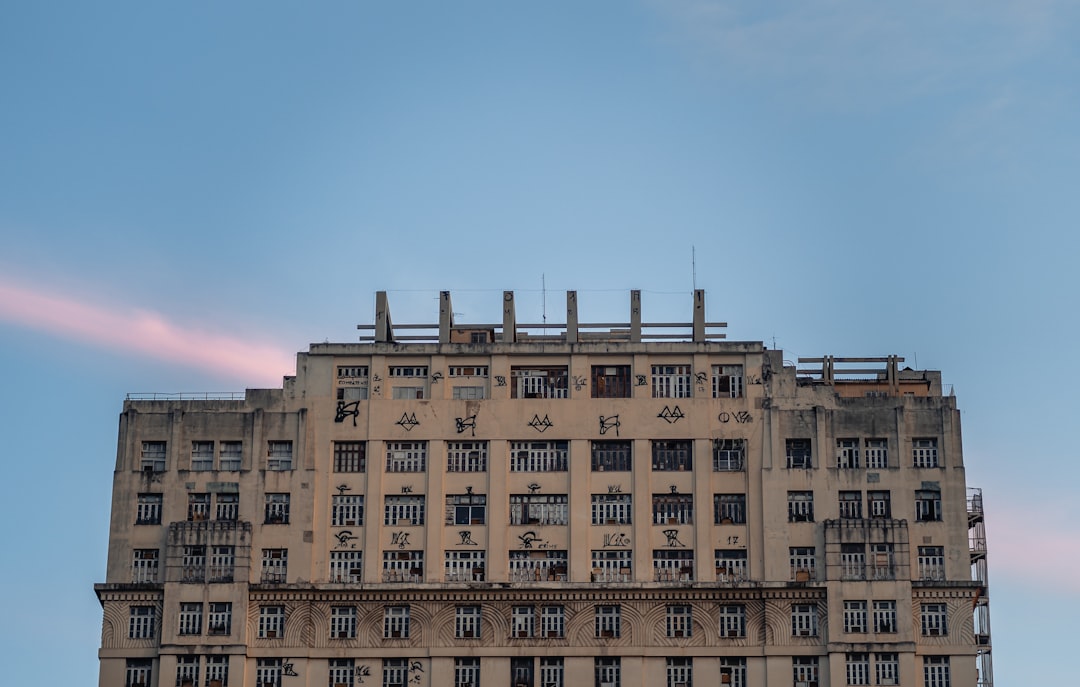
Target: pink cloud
column 145, row 333
column 1033, row 544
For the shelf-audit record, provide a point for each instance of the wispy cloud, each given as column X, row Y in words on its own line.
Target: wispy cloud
column 1033, row 544
column 145, row 333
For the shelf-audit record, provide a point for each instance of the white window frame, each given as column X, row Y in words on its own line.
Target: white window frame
column 672, row 381
column 612, row 456
column 202, row 456
column 729, row 455
column 673, row 565
column 546, row 382
column 673, row 509
column 341, row 672
column 464, row 565
column 800, row 506
column 193, row 563
column 680, row 671
column 857, row 668
column 804, row 670
column 187, row 670
column 852, row 561
column 404, row 510
column 190, row 619
column 397, row 622
column 466, row 671
column 466, row 456
column 276, row 508
column 153, row 456
column 268, row 672
column 553, row 621
column 538, row 565
column 734, row 669
column 198, row 508
column 148, row 509
column 523, row 621
column 403, row 566
column 612, row 509
column 395, row 672
column 608, row 621
column 279, row 455
column 144, row 566
column 343, row 622
column 727, row 381
column 468, row 393
column 347, row 567
column 552, row 671
column 222, row 563
column 804, row 620
column 879, row 503
column 219, row 618
column 934, row 619
column 931, row 561
column 232, row 456
column 408, row 371
column 612, row 565
column 467, row 622
column 877, row 454
column 539, row 456
column 466, row 509
column 924, row 453
column 679, row 621
column 732, row 620
column 855, row 617
column 352, row 371
column 607, row 671
column 138, row 672
column 275, row 566
column 936, row 671
column 539, row 509
column 729, row 509
column 350, row 456
column 882, row 561
column 847, row 454
column 731, row 566
column 928, row 505
column 347, row 510
column 887, row 668
column 406, row 456
column 672, row 455
column 227, row 507
column 271, row 622
column 851, row 505
column 799, row 454
column 885, row 617
column 142, row 622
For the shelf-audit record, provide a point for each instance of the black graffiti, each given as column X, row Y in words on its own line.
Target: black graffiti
column 614, row 489
column 533, row 488
column 673, row 538
column 435, row 377
column 464, row 423
column 733, row 539
column 344, row 410
column 701, row 378
column 740, row 417
column 344, row 537
column 376, row 378
column 619, row 539
column 671, row 415
column 287, row 668
column 342, row 488
column 579, row 382
column 500, row 380
column 674, row 488
column 751, row 379
column 541, row 425
column 400, row 538
column 466, row 538
column 609, row 423
column 640, row 380
column 528, row 539
column 408, row 421
column 406, row 489
column 361, row 673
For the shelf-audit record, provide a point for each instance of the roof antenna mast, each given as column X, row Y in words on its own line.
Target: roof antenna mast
column 693, row 265
column 543, row 297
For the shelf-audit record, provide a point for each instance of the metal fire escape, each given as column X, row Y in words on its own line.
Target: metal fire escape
column 981, row 604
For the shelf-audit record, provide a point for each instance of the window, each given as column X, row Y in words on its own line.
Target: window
column 798, row 454
column 729, row 509
column 350, row 456
column 406, row 456
column 467, row 672
column 803, row 563
column 347, row 510
column 607, row 671
column 936, row 671
column 403, row 566
column 523, row 621
column 608, row 621
column 407, row 393
column 851, row 505
column 612, row 509
column 729, row 455
column 352, row 372
column 927, row 505
column 852, row 561
column 680, row 621
column 217, row 671
column 343, row 622
column 466, row 456
column 144, row 566
column 232, row 453
column 187, row 671
column 551, row 672
column 673, row 565
column 881, row 561
column 467, row 393
column 672, row 455
column 279, row 455
column 733, row 620
column 466, row 509
column 404, row 510
column 348, row 394
column 680, row 672
column 924, row 453
column 198, row 507
column 731, row 566
column 879, row 504
column 934, row 621
column 347, row 567
column 138, row 672
column 271, row 622
column 408, row 371
column 673, row 509
column 396, row 622
column 800, row 506
column 931, row 563
column 885, row 616
column 193, row 564
column 268, row 672
column 222, row 563
column 469, row 370
column 612, row 566
column 538, row 565
column 143, row 622
column 539, row 382
column 877, row 454
column 887, row 667
column 847, row 454
column 538, row 509
column 219, row 618
column 727, row 381
column 153, row 456
column 148, row 511
column 467, row 622
column 464, row 566
column 671, row 381
column 611, row 381
column 804, row 620
column 538, row 456
column 855, row 616
column 228, row 507
column 732, row 672
column 342, row 672
column 857, row 667
column 395, row 672
column 191, row 618
column 804, row 670
column 274, row 565
column 202, row 456
column 553, row 621
column 277, row 509
column 612, row 456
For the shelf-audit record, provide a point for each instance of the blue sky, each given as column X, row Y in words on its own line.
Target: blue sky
column 191, row 192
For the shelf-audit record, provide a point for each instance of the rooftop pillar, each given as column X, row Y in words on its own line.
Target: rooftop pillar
column 571, row 317
column 446, row 317
column 699, row 315
column 635, row 315
column 384, row 329
column 509, row 328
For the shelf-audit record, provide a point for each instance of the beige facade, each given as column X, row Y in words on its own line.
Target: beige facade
column 508, row 504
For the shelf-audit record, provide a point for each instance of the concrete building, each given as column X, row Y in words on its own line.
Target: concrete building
column 629, row 504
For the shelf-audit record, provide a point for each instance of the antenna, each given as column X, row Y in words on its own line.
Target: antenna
column 543, row 296
column 693, row 265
